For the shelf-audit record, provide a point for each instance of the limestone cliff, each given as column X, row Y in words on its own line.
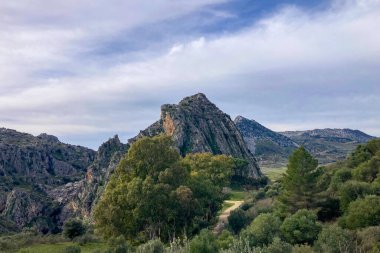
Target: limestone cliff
column 29, row 168
column 197, row 125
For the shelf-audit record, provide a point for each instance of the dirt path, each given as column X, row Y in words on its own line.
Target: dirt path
column 223, row 218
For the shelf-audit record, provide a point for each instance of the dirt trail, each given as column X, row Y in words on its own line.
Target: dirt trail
column 223, row 217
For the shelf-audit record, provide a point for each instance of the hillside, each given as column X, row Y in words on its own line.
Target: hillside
column 329, row 145
column 272, row 149
column 44, row 181
column 269, row 147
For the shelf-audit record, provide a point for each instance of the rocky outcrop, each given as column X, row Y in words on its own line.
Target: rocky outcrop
column 79, row 198
column 270, row 148
column 29, row 168
column 27, row 159
column 197, row 125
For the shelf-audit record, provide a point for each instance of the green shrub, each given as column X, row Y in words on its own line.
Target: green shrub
column 152, row 246
column 203, row 243
column 73, row 228
column 369, row 239
column 302, row 249
column 352, row 190
column 118, row 245
column 178, row 246
column 237, row 220
column 86, row 239
column 7, row 244
column 334, row 239
column 224, row 240
column 362, row 213
column 71, row 249
column 262, row 230
column 278, row 246
column 301, row 227
column 367, row 171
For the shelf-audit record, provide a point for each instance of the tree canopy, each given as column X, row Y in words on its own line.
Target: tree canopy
column 154, row 193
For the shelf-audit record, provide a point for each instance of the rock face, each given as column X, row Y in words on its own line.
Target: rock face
column 197, row 125
column 270, row 148
column 79, row 198
column 329, row 145
column 43, row 182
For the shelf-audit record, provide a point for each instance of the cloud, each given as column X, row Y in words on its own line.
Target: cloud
column 294, row 68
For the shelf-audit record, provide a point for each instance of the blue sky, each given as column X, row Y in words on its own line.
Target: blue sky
column 86, row 70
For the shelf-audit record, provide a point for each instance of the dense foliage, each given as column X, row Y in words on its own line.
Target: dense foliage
column 159, row 202
column 154, row 193
column 73, row 228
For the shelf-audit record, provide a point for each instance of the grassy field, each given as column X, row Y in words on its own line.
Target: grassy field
column 57, row 248
column 237, row 195
column 274, row 174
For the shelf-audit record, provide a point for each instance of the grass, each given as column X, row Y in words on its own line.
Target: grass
column 58, row 247
column 225, row 206
column 274, row 174
column 237, row 195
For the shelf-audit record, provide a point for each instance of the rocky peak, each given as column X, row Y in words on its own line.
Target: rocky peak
column 47, row 137
column 108, row 148
column 197, row 125
column 268, row 146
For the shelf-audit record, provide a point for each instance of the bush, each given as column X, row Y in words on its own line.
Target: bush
column 178, row 246
column 71, row 249
column 237, row 220
column 369, row 239
column 302, row 249
column 153, row 246
column 73, row 228
column 118, row 245
column 86, row 239
column 260, row 194
column 367, row 171
column 301, row 227
column 225, row 239
column 362, row 213
column 262, row 230
column 352, row 190
column 339, row 177
column 203, row 243
column 334, row 239
column 7, row 244
column 278, row 246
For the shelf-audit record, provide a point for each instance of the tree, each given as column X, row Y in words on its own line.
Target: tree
column 153, row 246
column 367, row 171
column 362, row 213
column 203, row 243
column 216, row 168
column 352, row 190
column 237, row 220
column 153, row 194
column 301, row 227
column 262, row 230
column 300, row 181
column 334, row 239
column 73, row 228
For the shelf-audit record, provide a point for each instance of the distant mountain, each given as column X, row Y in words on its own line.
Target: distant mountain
column 273, row 149
column 197, row 125
column 269, row 147
column 329, row 145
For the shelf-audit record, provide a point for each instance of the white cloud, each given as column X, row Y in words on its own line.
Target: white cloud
column 279, row 67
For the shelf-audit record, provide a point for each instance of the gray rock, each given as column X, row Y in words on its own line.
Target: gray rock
column 197, row 125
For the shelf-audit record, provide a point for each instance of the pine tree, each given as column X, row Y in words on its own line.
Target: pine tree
column 300, row 181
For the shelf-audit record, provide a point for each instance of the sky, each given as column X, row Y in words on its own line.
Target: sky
column 85, row 70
